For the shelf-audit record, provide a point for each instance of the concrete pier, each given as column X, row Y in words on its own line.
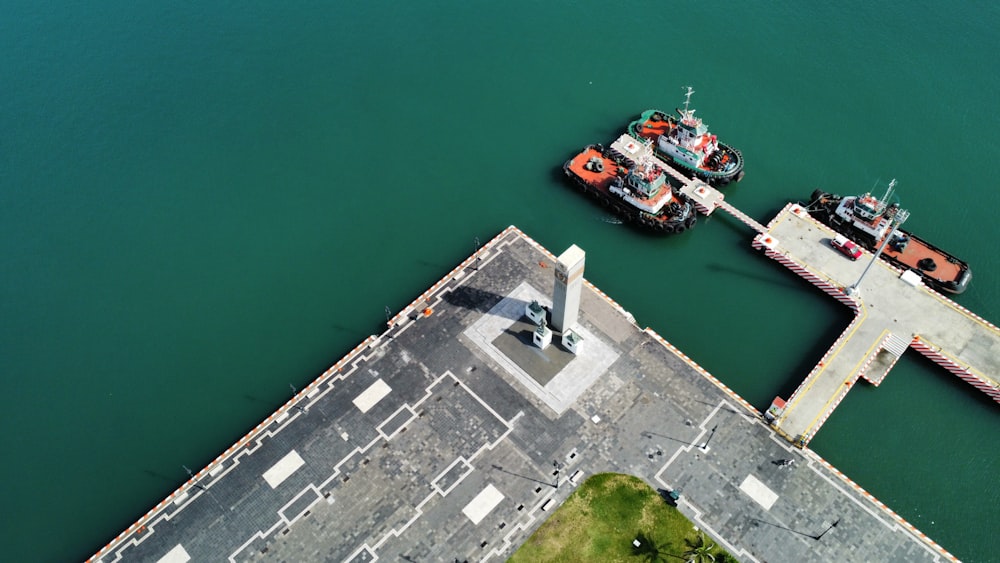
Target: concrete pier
column 891, row 315
column 451, row 437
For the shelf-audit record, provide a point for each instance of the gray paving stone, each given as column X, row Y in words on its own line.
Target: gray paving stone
column 392, row 483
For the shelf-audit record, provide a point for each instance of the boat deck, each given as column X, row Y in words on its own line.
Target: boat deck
column 650, row 129
column 601, row 180
column 891, row 316
column 917, row 250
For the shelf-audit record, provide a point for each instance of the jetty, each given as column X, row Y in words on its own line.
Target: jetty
column 893, row 312
column 452, row 436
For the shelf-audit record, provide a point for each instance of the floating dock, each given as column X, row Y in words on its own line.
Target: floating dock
column 450, row 436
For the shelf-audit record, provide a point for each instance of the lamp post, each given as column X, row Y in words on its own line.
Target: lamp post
column 294, row 393
column 705, row 445
column 832, row 526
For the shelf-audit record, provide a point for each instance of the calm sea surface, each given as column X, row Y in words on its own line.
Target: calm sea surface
column 203, row 204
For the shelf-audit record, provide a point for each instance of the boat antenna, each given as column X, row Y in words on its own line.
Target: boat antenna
column 687, row 99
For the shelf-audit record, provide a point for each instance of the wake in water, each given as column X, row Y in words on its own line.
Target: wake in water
column 611, row 220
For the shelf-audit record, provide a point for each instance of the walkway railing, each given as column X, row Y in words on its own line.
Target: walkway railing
column 743, row 217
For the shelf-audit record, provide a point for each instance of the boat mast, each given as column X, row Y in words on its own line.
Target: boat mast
column 687, row 101
column 888, row 191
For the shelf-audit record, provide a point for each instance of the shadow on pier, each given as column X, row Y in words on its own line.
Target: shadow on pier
column 540, row 482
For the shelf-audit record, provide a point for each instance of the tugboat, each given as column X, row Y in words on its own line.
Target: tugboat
column 869, row 221
column 635, row 189
column 687, row 145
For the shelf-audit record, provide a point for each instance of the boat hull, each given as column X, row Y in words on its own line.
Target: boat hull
column 944, row 272
column 596, row 185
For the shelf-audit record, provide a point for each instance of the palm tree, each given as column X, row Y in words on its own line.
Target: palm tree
column 699, row 549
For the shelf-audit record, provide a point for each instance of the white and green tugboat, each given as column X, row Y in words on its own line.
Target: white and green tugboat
column 685, row 143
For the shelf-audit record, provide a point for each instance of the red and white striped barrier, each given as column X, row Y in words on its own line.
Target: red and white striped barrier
column 848, row 383
column 863, row 372
column 767, row 243
column 457, row 271
column 743, row 217
column 964, row 373
column 704, row 372
column 870, row 497
column 829, row 411
column 864, row 369
column 335, row 371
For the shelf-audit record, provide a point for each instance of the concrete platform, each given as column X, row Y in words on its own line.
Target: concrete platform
column 429, row 443
column 891, row 315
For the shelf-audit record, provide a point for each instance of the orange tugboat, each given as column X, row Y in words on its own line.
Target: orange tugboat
column 636, row 190
column 870, row 221
column 687, row 145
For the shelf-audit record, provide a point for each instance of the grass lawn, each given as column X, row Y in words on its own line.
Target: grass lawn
column 599, row 521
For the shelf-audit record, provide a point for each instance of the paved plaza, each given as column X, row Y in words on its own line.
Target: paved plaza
column 451, row 438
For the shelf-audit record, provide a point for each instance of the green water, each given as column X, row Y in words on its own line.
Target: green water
column 203, row 204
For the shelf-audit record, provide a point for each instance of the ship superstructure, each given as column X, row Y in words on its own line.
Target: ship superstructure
column 634, row 186
column 686, row 143
column 871, row 221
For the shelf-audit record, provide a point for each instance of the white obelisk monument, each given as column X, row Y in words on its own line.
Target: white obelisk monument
column 566, row 293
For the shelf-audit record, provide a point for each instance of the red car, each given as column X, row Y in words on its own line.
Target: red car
column 846, row 247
